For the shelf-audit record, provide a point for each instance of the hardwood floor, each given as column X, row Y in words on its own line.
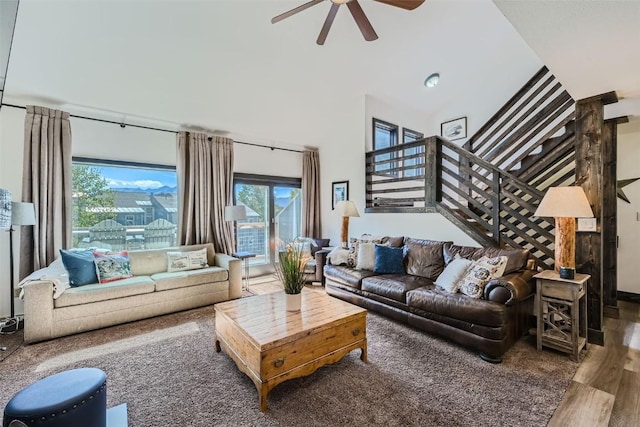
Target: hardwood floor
column 606, row 387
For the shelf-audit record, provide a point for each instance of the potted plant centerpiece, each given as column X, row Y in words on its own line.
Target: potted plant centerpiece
column 290, row 271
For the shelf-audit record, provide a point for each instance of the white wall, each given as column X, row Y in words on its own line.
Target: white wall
column 629, row 213
column 344, row 161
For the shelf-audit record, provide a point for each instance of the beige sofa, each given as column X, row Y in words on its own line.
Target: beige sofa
column 152, row 291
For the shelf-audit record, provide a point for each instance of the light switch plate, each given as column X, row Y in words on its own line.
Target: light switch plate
column 587, row 224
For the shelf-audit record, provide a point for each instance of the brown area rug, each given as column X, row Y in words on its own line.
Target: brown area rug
column 167, row 371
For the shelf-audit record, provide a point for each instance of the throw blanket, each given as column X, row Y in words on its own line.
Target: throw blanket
column 338, row 256
column 54, row 273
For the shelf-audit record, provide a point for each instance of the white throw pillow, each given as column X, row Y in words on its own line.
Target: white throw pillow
column 366, row 256
column 480, row 273
column 450, row 278
column 181, row 261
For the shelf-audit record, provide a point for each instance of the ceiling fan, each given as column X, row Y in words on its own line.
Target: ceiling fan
column 354, row 7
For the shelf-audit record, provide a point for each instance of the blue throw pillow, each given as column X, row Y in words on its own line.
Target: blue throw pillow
column 80, row 266
column 389, row 260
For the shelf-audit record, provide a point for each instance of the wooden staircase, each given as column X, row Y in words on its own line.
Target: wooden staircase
column 490, row 187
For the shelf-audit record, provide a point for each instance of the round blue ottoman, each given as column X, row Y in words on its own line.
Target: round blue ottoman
column 75, row 398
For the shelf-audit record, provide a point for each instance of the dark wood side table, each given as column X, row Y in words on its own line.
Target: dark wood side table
column 562, row 312
column 244, row 256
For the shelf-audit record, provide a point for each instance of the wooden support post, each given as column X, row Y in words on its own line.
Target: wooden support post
column 609, row 219
column 589, row 175
column 430, row 172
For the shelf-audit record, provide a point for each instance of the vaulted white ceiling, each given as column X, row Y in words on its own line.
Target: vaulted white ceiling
column 592, row 47
column 221, row 64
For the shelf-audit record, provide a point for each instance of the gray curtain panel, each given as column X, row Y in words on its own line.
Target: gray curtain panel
column 46, row 182
column 311, row 194
column 205, row 184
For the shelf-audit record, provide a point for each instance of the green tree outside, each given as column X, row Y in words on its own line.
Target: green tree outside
column 93, row 200
column 254, row 197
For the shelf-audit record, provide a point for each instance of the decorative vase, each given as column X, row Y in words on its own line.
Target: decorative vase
column 293, row 301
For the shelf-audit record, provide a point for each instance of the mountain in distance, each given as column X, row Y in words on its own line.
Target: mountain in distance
column 160, row 190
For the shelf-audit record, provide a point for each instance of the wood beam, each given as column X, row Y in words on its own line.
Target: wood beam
column 609, row 218
column 589, row 170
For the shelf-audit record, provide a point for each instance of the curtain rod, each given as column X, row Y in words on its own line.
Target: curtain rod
column 122, row 125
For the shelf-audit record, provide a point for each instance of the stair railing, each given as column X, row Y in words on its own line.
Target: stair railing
column 491, row 205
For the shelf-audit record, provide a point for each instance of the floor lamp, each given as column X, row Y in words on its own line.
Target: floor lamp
column 346, row 209
column 21, row 214
column 235, row 213
column 5, row 224
column 565, row 204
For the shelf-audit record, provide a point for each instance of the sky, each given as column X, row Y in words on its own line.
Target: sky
column 122, row 177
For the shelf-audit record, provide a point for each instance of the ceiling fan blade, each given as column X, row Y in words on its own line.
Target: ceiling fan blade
column 295, row 10
column 327, row 23
column 361, row 19
column 404, row 4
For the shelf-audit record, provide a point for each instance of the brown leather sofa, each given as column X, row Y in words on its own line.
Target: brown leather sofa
column 489, row 325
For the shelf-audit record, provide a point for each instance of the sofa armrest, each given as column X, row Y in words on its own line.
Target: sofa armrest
column 38, row 310
column 321, row 260
column 511, row 288
column 234, row 267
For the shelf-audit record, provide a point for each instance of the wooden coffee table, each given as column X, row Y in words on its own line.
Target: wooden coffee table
column 272, row 345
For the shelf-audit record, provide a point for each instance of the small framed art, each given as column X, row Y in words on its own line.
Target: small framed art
column 339, row 192
column 454, row 129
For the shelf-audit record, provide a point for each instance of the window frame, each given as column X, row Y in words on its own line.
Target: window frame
column 97, row 162
column 393, row 134
column 269, row 181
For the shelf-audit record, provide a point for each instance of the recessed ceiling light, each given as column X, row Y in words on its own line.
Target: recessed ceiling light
column 432, row 80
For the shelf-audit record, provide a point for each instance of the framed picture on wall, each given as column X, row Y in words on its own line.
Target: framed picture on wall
column 454, row 129
column 339, row 192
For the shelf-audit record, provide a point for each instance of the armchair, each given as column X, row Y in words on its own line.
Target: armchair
column 314, row 270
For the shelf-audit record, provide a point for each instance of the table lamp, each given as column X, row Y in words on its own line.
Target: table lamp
column 565, row 204
column 346, row 209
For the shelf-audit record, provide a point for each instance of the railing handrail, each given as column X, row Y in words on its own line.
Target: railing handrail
column 486, row 165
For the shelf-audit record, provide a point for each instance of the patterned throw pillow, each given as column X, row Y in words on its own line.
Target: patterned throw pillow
column 112, row 266
column 479, row 274
column 182, row 261
column 352, row 258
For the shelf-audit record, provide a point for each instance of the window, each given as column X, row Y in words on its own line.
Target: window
column 114, row 202
column 273, row 214
column 411, row 136
column 385, row 135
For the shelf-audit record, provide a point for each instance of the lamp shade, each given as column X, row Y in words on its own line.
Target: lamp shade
column 22, row 213
column 346, row 208
column 235, row 212
column 564, row 202
column 5, row 208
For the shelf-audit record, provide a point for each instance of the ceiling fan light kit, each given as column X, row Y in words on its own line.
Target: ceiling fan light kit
column 356, row 11
column 432, row 80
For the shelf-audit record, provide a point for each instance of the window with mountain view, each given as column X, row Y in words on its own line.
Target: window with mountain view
column 121, row 205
